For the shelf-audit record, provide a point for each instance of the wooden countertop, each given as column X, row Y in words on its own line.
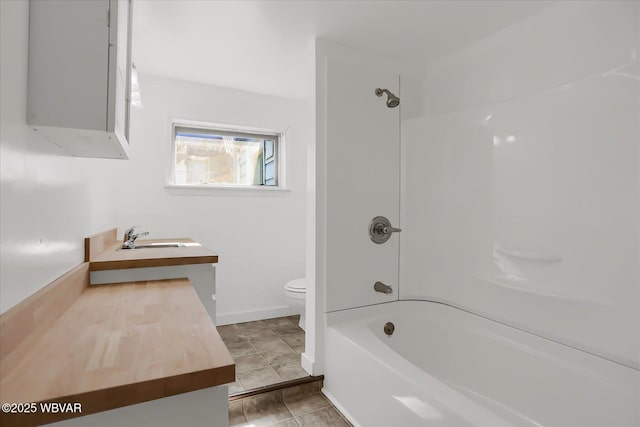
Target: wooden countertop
column 116, row 258
column 118, row 345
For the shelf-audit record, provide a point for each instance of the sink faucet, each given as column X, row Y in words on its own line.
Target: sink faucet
column 130, row 237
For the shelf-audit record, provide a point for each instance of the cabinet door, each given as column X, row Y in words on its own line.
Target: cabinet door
column 68, row 75
column 79, row 75
column 119, row 67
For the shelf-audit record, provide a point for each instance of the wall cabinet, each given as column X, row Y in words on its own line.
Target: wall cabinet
column 80, row 75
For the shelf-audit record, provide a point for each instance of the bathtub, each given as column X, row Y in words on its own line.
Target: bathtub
column 446, row 367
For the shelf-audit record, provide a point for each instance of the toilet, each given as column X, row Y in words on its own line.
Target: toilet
column 295, row 293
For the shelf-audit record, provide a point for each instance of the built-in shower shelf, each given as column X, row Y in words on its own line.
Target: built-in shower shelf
column 529, row 255
column 528, row 287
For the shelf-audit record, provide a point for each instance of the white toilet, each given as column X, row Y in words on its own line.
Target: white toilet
column 295, row 293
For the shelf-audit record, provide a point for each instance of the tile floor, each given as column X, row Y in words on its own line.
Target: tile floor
column 265, row 351
column 298, row 406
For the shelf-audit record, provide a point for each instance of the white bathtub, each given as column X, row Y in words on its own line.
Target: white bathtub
column 446, row 367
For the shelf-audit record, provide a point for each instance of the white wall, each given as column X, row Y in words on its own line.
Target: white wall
column 523, row 180
column 50, row 202
column 260, row 236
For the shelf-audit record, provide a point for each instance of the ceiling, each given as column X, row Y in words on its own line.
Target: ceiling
column 267, row 46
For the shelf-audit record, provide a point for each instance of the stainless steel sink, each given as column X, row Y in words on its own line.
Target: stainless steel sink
column 160, row 245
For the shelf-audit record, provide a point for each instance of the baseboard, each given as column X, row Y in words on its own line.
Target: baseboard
column 308, row 364
column 248, row 316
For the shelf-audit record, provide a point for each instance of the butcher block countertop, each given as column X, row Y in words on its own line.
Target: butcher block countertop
column 116, row 258
column 117, row 345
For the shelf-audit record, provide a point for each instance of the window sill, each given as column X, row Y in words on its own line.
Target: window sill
column 225, row 190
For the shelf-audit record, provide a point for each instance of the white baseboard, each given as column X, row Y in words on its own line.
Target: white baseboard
column 248, row 316
column 308, row 364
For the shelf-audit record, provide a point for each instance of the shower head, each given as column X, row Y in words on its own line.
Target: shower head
column 392, row 100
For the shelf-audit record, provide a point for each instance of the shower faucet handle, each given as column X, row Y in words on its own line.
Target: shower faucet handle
column 380, row 230
column 388, row 230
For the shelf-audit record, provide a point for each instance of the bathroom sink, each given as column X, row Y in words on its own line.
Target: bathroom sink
column 160, row 245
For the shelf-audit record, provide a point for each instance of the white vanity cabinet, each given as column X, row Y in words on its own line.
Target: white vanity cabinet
column 80, row 75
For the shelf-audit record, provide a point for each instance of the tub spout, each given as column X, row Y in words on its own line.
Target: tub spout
column 381, row 287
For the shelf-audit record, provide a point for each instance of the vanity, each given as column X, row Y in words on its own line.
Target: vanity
column 126, row 338
column 158, row 259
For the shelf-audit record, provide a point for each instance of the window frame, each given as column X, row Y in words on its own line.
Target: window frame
column 279, row 151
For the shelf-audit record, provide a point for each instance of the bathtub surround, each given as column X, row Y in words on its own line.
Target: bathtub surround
column 354, row 264
column 523, row 179
column 352, row 150
column 519, row 203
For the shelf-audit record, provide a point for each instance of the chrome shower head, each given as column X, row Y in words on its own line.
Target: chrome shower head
column 392, row 100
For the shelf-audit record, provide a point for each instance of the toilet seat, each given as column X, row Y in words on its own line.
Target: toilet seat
column 297, row 286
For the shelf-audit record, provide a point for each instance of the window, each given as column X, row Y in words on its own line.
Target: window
column 220, row 157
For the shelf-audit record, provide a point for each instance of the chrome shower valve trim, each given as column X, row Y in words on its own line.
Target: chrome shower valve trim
column 380, row 230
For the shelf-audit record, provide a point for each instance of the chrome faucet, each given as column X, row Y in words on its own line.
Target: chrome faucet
column 130, row 237
column 381, row 287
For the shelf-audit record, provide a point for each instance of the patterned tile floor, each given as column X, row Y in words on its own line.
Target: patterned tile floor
column 298, row 406
column 265, row 351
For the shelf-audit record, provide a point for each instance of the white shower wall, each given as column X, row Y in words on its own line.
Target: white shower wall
column 363, row 160
column 521, row 185
column 357, row 173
